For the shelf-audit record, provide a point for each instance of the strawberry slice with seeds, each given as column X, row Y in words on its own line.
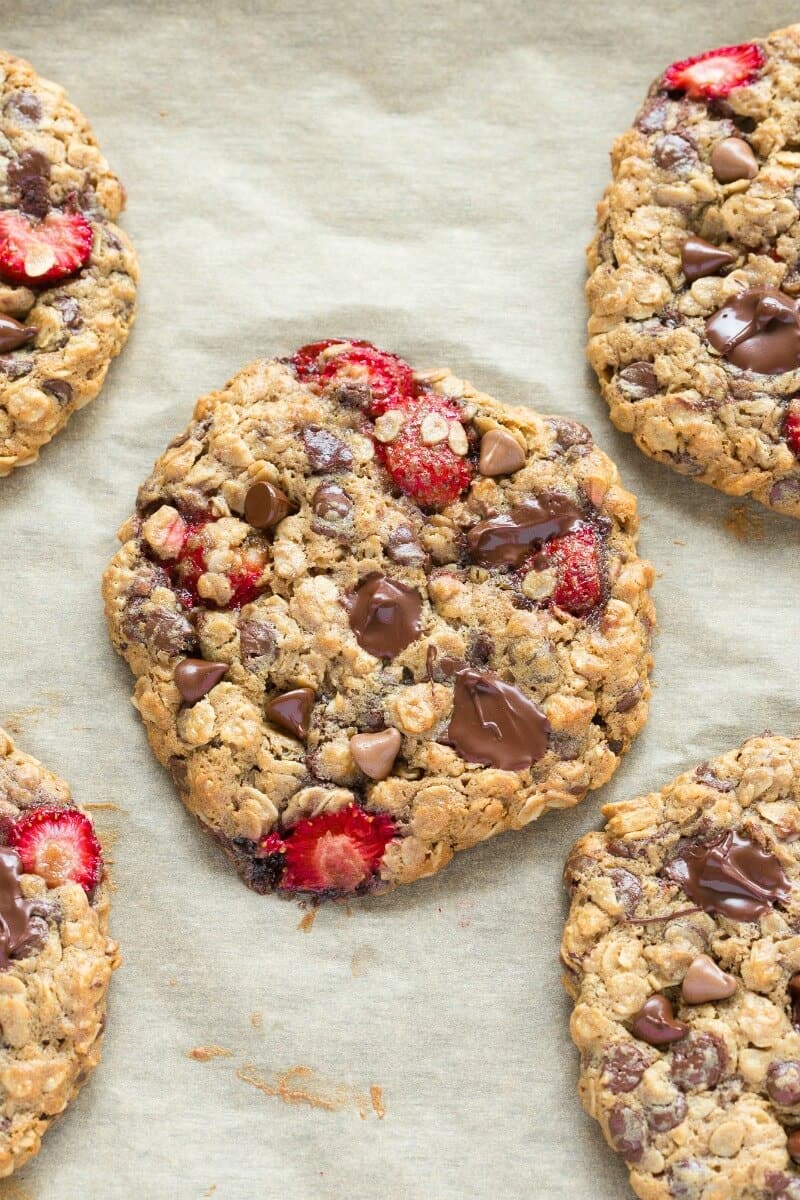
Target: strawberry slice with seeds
column 59, row 845
column 791, row 426
column 579, row 577
column 716, row 73
column 389, row 378
column 429, row 471
column 191, row 562
column 333, row 852
column 38, row 252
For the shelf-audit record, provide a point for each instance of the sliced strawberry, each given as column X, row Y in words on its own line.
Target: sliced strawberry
column 333, row 852
column 190, row 563
column 716, row 73
column 433, row 474
column 579, row 578
column 389, row 378
column 37, row 252
column 59, row 845
column 791, row 426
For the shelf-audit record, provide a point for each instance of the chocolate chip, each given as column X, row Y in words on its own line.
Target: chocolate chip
column 687, row 1179
column 256, row 641
column 375, row 753
column 627, row 888
column 501, row 454
column 403, row 548
column 629, row 699
column 730, row 875
column 624, row 1064
column 698, row 1061
column 655, row 1024
column 13, row 334
column 325, row 451
column 265, row 505
column 179, row 770
column 70, row 312
column 28, row 175
column 291, row 711
column 481, row 649
column 15, row 368
column 683, row 463
column 733, row 159
column 783, row 1082
column 24, row 107
column 384, row 615
column 705, row 775
column 495, row 724
column 674, row 153
column 627, row 1131
column 705, row 981
column 195, row 677
column 507, row 540
column 22, row 933
column 330, row 502
column 638, row 380
column 793, row 1145
column 757, row 330
column 58, row 388
column 168, row 631
column 570, row 433
column 663, row 1117
column 700, row 258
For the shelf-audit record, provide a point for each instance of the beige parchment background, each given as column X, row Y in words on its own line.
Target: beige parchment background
column 424, row 176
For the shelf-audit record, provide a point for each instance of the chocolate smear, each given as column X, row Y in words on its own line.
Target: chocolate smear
column 494, row 723
column 758, row 330
column 13, row 334
column 507, row 540
column 655, row 1024
column 730, row 876
column 20, row 933
column 384, row 615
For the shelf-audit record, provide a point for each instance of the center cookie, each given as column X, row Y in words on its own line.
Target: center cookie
column 376, row 617
column 683, row 958
column 695, row 326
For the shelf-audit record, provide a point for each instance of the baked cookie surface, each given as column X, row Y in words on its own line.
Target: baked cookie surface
column 376, row 617
column 67, row 273
column 694, row 286
column 682, row 954
column 56, row 958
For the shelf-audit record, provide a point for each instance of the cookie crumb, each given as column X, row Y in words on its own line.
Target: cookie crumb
column 307, row 921
column 376, row 1096
column 745, row 525
column 206, row 1053
column 257, row 1020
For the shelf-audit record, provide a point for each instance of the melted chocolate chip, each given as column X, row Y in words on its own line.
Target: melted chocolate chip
column 325, row 451
column 330, row 502
column 758, row 330
column 705, row 775
column 507, row 540
column 15, row 368
column 655, row 1024
column 638, row 380
column 20, row 935
column 629, row 699
column 256, row 640
column 384, row 615
column 700, row 258
column 291, row 711
column 168, row 631
column 674, row 153
column 58, row 388
column 667, row 1115
column 624, row 1064
column 70, row 312
column 494, row 723
column 195, row 677
column 13, row 334
column 24, row 106
column 28, row 175
column 627, row 1131
column 403, row 548
column 627, row 888
column 783, row 1082
column 698, row 1061
column 730, row 876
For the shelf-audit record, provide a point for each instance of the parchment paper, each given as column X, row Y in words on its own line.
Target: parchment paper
column 424, row 177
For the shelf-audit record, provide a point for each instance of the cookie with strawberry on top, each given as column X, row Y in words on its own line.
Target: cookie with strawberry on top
column 67, row 272
column 695, row 272
column 56, row 958
column 376, row 617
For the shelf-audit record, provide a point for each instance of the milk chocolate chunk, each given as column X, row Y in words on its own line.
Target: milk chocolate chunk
column 265, row 505
column 20, row 930
column 494, row 723
column 507, row 540
column 700, row 258
column 758, row 330
column 195, row 677
column 13, row 334
column 384, row 615
column 655, row 1024
column 732, row 159
column 731, row 876
column 705, row 981
column 501, row 454
column 374, row 753
column 291, row 711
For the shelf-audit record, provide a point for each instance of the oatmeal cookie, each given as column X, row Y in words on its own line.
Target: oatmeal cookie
column 67, row 273
column 376, row 617
column 695, row 282
column 682, row 954
column 56, row 957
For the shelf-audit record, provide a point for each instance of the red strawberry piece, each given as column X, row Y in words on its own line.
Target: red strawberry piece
column 791, row 426
column 59, row 845
column 36, row 252
column 332, row 852
column 190, row 563
column 388, row 377
column 716, row 73
column 576, row 559
column 433, row 474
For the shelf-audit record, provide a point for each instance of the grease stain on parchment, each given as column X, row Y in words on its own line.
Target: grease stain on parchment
column 301, row 1086
column 206, row 1053
column 744, row 525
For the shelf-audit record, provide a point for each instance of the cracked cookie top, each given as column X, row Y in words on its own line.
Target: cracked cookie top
column 682, row 954
column 376, row 617
column 56, row 958
column 695, row 282
column 67, row 274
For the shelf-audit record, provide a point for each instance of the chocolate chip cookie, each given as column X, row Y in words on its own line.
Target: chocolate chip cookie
column 695, row 284
column 56, row 957
column 682, row 955
column 376, row 617
column 67, row 274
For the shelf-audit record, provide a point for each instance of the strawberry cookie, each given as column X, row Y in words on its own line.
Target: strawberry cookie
column 682, row 955
column 695, row 283
column 67, row 274
column 376, row 617
column 56, row 958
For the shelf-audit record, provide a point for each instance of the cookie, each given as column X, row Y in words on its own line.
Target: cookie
column 56, row 957
column 67, row 273
column 376, row 617
column 682, row 955
column 695, row 284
